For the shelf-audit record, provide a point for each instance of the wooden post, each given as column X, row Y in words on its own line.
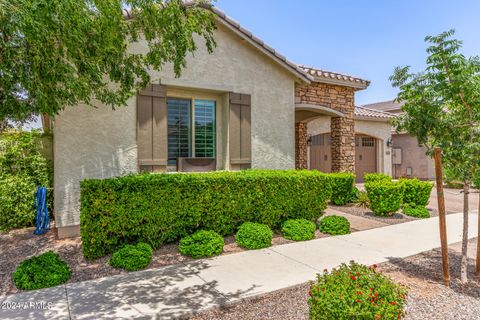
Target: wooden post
column 441, row 215
column 477, row 269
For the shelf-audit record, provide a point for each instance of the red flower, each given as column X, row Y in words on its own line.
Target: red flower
column 353, row 278
column 359, row 292
column 399, row 317
column 371, row 289
column 310, row 293
column 393, row 303
column 325, row 270
column 376, row 294
column 357, row 300
column 374, row 265
column 378, row 316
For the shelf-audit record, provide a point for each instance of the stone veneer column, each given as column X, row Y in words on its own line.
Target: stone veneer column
column 343, row 144
column 301, row 145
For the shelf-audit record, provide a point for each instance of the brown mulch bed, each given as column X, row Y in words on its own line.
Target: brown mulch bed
column 18, row 245
column 428, row 298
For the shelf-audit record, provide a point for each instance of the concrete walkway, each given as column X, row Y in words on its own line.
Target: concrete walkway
column 180, row 289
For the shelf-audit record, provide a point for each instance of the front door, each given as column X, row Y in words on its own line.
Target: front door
column 320, row 153
column 365, row 155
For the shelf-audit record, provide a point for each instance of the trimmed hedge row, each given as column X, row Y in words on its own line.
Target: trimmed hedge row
column 343, row 185
column 161, row 208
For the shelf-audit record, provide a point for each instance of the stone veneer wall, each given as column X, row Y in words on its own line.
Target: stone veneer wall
column 341, row 99
column 301, row 146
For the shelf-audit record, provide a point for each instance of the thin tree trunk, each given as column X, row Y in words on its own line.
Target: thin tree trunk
column 464, row 261
column 477, row 270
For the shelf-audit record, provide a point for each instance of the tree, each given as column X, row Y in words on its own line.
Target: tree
column 55, row 54
column 442, row 109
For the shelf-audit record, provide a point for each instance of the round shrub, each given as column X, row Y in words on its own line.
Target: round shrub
column 42, row 271
column 202, row 244
column 416, row 192
column 335, row 225
column 355, row 291
column 132, row 257
column 416, row 211
column 375, row 177
column 252, row 235
column 299, row 229
column 385, row 196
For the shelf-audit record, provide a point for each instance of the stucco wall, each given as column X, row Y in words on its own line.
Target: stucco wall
column 378, row 129
column 101, row 143
column 412, row 156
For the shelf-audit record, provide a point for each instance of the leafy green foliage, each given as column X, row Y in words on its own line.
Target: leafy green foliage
column 17, row 202
column 60, row 53
column 374, row 177
column 252, row 235
column 342, row 188
column 416, row 211
column 355, row 291
column 43, row 271
column 335, row 225
column 362, row 200
column 161, row 208
column 132, row 257
column 202, row 243
column 385, row 196
column 22, row 169
column 299, row 229
column 416, row 192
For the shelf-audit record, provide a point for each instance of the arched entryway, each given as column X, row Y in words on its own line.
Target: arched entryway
column 320, row 157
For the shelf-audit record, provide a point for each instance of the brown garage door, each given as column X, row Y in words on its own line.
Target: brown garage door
column 365, row 155
column 320, row 153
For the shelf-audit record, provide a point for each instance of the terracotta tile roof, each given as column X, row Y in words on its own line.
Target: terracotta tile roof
column 390, row 105
column 322, row 75
column 363, row 112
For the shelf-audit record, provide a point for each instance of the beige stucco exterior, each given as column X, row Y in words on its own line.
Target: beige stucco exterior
column 101, row 143
column 413, row 158
column 381, row 130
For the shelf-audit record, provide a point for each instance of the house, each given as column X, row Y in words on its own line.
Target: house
column 409, row 157
column 243, row 106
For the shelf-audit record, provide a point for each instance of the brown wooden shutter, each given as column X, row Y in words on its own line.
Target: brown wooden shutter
column 152, row 138
column 240, row 131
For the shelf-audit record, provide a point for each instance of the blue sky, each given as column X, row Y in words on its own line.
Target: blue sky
column 363, row 38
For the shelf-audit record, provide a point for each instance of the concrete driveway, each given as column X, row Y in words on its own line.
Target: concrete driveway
column 454, row 200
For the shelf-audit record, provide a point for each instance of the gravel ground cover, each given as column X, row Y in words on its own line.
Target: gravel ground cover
column 428, row 298
column 367, row 213
column 18, row 245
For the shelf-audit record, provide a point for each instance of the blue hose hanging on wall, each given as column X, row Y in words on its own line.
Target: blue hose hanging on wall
column 43, row 221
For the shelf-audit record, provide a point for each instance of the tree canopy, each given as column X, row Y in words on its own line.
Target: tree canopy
column 59, row 53
column 442, row 109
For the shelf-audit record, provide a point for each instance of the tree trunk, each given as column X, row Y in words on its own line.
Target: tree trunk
column 477, row 270
column 464, row 259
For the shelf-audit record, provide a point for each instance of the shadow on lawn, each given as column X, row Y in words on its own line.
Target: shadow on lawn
column 428, row 266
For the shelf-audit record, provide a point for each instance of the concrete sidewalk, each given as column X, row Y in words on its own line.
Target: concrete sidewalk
column 177, row 290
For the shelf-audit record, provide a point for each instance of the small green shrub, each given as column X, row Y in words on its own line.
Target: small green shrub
column 42, row 271
column 342, row 188
column 355, row 291
column 17, row 202
column 132, row 257
column 299, row 229
column 385, row 196
column 362, row 200
column 163, row 208
column 374, row 177
column 416, row 211
column 416, row 192
column 335, row 225
column 202, row 244
column 252, row 235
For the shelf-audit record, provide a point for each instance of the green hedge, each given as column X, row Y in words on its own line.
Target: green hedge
column 374, row 177
column 201, row 244
column 17, row 202
column 161, row 208
column 417, row 192
column 385, row 197
column 343, row 185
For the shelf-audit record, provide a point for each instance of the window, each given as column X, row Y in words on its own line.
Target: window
column 191, row 131
column 368, row 142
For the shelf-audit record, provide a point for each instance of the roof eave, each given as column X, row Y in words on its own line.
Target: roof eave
column 344, row 83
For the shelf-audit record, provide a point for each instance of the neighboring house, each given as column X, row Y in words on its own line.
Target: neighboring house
column 243, row 106
column 409, row 158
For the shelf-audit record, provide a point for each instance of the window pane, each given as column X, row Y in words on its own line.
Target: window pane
column 179, row 128
column 205, row 129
